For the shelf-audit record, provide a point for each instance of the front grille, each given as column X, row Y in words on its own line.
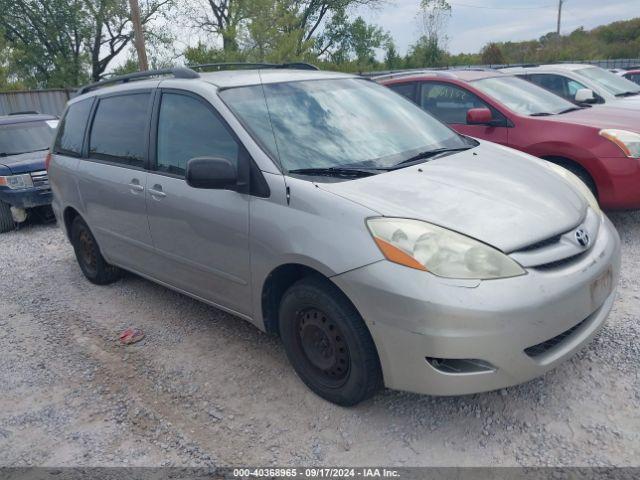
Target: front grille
column 542, row 348
column 40, row 179
column 559, row 263
column 541, row 244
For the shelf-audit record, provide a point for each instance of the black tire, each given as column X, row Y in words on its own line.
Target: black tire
column 328, row 343
column 91, row 261
column 6, row 219
column 582, row 175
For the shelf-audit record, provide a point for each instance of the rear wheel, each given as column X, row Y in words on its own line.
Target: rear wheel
column 6, row 219
column 328, row 343
column 91, row 261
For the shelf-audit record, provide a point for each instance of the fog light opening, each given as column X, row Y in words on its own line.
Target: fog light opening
column 460, row 366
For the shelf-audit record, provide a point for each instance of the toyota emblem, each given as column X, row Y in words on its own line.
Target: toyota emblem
column 582, row 237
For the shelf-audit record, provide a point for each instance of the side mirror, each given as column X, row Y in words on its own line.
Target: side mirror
column 585, row 95
column 211, row 172
column 479, row 116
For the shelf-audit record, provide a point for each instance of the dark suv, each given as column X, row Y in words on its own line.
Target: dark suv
column 24, row 142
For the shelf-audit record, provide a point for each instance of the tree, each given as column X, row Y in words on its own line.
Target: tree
column 110, row 29
column 392, row 59
column 434, row 16
column 492, row 54
column 61, row 43
column 46, row 38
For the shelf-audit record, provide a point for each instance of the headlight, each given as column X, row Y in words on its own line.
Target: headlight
column 434, row 249
column 574, row 180
column 16, row 181
column 629, row 142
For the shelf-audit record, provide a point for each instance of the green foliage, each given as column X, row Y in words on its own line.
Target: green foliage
column 492, row 54
column 64, row 43
column 616, row 40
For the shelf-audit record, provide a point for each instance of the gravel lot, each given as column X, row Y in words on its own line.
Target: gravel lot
column 205, row 388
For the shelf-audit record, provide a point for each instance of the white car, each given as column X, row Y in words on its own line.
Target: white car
column 580, row 83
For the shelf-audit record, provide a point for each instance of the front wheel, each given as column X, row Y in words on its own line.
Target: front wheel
column 328, row 343
column 6, row 219
column 91, row 261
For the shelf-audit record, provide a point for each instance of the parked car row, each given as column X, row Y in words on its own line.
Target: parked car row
column 601, row 145
column 384, row 240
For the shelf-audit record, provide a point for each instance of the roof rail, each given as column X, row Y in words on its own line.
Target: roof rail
column 178, row 72
column 250, row 65
column 405, row 73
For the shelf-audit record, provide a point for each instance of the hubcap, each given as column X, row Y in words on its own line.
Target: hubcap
column 323, row 345
column 87, row 249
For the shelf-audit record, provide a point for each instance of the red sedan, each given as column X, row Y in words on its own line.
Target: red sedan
column 599, row 144
column 633, row 75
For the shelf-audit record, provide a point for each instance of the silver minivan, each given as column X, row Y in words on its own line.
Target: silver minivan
column 381, row 246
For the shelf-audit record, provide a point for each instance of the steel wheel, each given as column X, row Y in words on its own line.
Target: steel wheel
column 323, row 345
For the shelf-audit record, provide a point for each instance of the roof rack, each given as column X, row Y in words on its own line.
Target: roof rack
column 250, row 65
column 25, row 112
column 178, row 72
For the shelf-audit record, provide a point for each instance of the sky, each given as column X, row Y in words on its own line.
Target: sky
column 473, row 23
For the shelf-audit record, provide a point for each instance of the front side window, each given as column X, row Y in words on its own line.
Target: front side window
column 25, row 137
column 449, row 103
column 337, row 123
column 118, row 131
column 521, row 96
column 612, row 83
column 188, row 128
column 72, row 128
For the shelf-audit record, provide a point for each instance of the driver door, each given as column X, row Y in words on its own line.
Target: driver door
column 201, row 236
column 449, row 103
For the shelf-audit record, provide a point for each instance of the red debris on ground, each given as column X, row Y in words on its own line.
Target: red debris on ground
column 131, row 335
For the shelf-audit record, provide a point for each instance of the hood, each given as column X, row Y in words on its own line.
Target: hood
column 602, row 116
column 632, row 102
column 492, row 193
column 24, row 162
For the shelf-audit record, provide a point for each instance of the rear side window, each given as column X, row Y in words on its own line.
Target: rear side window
column 119, row 127
column 188, row 128
column 72, row 128
column 405, row 89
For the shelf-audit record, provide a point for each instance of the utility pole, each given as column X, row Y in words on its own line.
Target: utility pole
column 560, row 2
column 138, row 36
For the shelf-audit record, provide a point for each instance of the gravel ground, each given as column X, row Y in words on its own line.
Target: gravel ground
column 205, row 388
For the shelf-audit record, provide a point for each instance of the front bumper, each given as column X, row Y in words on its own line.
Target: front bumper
column 26, row 197
column 413, row 315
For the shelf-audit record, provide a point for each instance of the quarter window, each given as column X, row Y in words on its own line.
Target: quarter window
column 119, row 126
column 188, row 128
column 449, row 103
column 71, row 130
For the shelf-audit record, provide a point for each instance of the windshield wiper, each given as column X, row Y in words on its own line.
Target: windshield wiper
column 428, row 155
column 627, row 94
column 540, row 114
column 570, row 109
column 339, row 171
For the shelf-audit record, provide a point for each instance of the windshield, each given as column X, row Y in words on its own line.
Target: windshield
column 337, row 123
column 523, row 97
column 25, row 137
column 612, row 83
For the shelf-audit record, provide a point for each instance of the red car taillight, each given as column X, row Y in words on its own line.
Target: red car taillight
column 47, row 161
